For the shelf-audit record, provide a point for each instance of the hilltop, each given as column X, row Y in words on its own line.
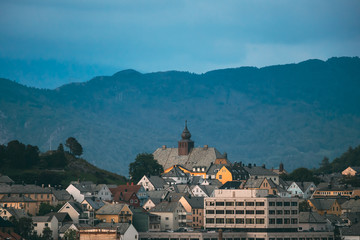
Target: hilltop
column 294, row 113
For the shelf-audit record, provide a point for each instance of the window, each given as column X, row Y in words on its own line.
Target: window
column 219, row 220
column 271, row 220
column 286, row 212
column 260, row 212
column 166, row 218
column 279, row 204
column 293, row 211
column 229, row 204
column 249, row 221
column 271, row 212
column 294, row 221
column 260, row 204
column 220, row 176
column 239, row 203
column 249, row 211
column 279, row 212
column 239, row 211
column 286, row 204
column 209, row 211
column 46, row 224
column 229, row 211
column 230, row 220
column 239, row 220
column 294, row 204
column 286, row 220
column 219, row 203
column 260, row 221
column 209, row 220
column 271, row 203
column 279, row 221
column 249, row 204
column 219, row 211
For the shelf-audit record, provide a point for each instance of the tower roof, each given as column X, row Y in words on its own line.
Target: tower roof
column 186, row 135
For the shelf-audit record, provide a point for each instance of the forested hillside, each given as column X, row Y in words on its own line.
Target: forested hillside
column 295, row 113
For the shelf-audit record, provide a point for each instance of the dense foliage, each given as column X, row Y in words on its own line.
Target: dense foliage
column 144, row 164
column 26, row 164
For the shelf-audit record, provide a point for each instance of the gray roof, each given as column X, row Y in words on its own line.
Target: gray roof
column 303, row 185
column 260, row 171
column 62, row 195
column 195, row 202
column 95, row 203
column 110, row 209
column 311, row 217
column 195, row 180
column 175, row 172
column 41, row 218
column 60, row 216
column 20, row 188
column 16, row 199
column 76, row 206
column 353, row 205
column 322, row 204
column 17, row 213
column 157, row 194
column 165, row 207
column 66, row 226
column 203, row 157
column 85, row 186
column 214, row 168
column 5, row 179
column 208, row 189
column 157, row 181
column 231, row 185
column 253, row 183
column 354, row 230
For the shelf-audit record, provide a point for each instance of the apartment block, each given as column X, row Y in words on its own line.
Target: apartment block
column 253, row 210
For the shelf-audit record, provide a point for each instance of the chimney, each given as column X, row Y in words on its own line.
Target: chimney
column 225, row 155
column 249, row 165
column 263, row 166
column 206, row 147
column 42, row 185
column 132, row 183
column 254, row 164
column 127, row 184
column 49, row 185
column 163, row 147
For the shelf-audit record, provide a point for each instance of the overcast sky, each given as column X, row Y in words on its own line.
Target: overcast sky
column 46, row 43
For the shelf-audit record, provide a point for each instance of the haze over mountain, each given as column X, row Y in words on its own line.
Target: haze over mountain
column 295, row 113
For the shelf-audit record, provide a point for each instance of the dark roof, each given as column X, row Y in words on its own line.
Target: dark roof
column 76, row 206
column 17, row 213
column 231, row 185
column 16, row 199
column 322, row 204
column 157, row 181
column 354, row 230
column 94, row 203
column 311, row 217
column 260, row 171
column 195, row 202
column 62, row 195
column 60, row 216
column 41, row 218
column 5, row 179
column 20, row 188
column 175, row 172
column 165, row 207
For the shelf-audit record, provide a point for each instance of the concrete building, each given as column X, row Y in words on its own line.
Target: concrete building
column 250, row 209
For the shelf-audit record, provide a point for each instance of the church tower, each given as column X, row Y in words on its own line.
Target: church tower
column 185, row 144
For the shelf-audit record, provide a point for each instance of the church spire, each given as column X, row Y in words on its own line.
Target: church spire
column 185, row 144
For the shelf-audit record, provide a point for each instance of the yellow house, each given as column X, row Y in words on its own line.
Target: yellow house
column 115, row 213
column 224, row 175
column 351, row 171
column 200, row 171
column 29, row 205
column 325, row 206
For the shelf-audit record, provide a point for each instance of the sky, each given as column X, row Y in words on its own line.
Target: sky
column 49, row 43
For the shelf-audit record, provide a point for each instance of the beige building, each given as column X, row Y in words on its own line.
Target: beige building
column 172, row 215
column 251, row 209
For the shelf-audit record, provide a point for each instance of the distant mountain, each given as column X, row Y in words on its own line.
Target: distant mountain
column 295, row 113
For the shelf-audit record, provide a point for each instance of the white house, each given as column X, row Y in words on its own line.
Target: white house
column 74, row 210
column 80, row 190
column 152, row 183
column 41, row 222
column 172, row 215
column 302, row 189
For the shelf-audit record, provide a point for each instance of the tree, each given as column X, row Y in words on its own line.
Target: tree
column 46, row 208
column 70, row 234
column 23, row 227
column 47, row 234
column 301, row 175
column 74, row 146
column 144, row 164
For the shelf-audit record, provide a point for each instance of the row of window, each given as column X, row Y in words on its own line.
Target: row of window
column 235, row 212
column 278, row 204
column 251, row 220
column 293, row 238
column 236, row 220
column 280, row 212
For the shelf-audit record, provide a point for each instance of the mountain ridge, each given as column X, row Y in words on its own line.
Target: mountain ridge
column 293, row 113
